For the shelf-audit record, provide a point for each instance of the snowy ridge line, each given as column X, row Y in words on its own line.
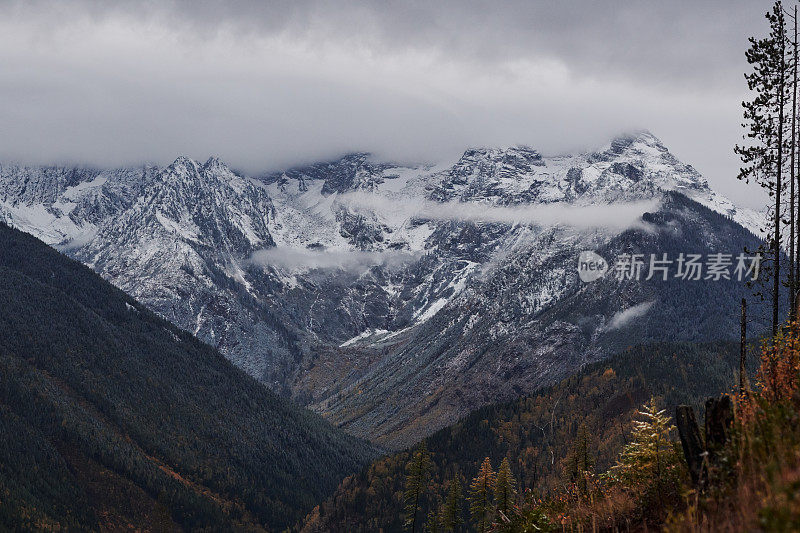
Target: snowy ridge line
column 345, row 254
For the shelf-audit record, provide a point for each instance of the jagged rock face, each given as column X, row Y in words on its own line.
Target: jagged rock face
column 180, row 247
column 351, row 172
column 395, row 299
column 528, row 320
column 175, row 238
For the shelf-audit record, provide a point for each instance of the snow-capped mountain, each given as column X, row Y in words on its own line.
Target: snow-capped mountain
column 396, row 298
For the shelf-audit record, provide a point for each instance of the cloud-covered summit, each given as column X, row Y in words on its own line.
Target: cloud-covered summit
column 272, row 84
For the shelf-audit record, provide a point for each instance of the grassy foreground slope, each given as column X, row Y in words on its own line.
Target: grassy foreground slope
column 111, row 418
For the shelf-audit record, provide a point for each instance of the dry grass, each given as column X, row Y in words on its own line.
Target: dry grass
column 758, row 486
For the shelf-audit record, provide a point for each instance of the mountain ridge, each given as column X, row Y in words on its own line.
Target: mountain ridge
column 318, row 279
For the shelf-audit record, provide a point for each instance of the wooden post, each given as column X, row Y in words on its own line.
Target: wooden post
column 719, row 420
column 797, row 300
column 693, row 448
column 743, row 351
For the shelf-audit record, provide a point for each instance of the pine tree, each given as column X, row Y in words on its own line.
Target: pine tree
column 650, row 465
column 505, row 488
column 434, row 523
column 480, row 505
column 580, row 460
column 453, row 508
column 416, row 477
column 764, row 118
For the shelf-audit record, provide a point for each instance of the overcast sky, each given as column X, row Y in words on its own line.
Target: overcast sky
column 266, row 85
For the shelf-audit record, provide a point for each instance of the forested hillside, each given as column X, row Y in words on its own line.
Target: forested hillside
column 112, row 418
column 536, row 434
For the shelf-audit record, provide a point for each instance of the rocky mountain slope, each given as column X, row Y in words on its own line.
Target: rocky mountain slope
column 394, row 299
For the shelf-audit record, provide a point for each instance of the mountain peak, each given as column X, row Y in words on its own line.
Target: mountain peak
column 622, row 142
column 356, row 157
column 519, row 156
column 215, row 163
column 183, row 163
column 187, row 168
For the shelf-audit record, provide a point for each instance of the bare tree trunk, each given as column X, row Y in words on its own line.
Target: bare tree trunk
column 792, row 244
column 776, row 282
column 796, row 160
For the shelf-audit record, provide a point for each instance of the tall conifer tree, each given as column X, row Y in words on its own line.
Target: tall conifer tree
column 505, row 488
column 764, row 115
column 480, row 503
column 416, row 478
column 453, row 508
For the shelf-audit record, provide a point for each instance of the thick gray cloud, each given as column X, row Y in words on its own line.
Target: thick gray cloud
column 618, row 216
column 266, row 85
